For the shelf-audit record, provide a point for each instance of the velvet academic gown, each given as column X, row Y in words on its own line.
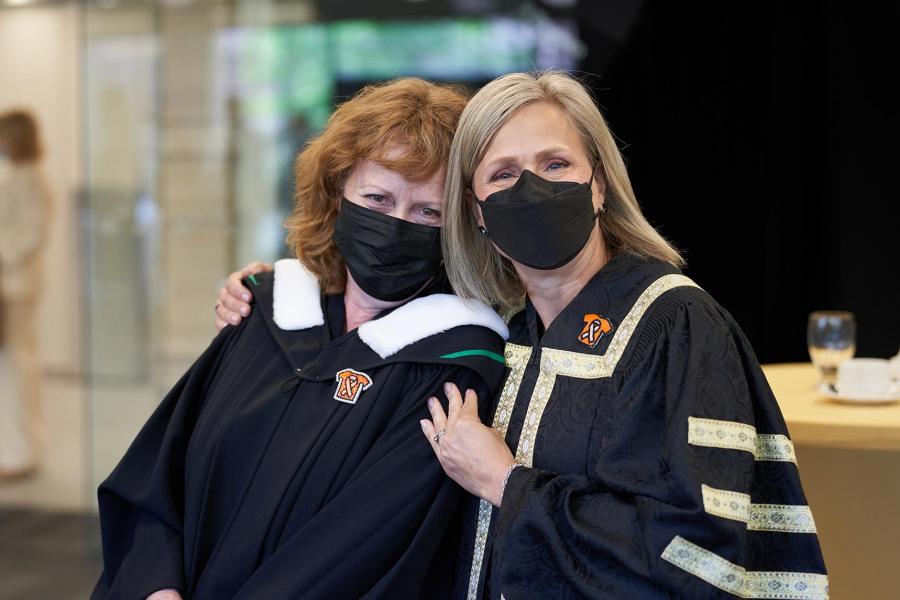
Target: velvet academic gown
column 289, row 462
column 657, row 463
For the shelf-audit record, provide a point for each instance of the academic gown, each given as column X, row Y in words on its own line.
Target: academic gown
column 656, row 461
column 288, row 462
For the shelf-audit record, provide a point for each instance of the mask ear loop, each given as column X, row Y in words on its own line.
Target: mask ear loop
column 481, row 228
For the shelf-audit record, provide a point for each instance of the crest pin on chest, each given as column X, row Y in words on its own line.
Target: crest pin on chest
column 595, row 327
column 350, row 385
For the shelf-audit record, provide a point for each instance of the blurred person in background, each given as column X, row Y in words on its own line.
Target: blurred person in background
column 25, row 204
column 288, row 462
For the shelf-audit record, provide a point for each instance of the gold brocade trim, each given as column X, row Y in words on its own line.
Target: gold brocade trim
column 734, row 579
column 555, row 362
column 721, row 434
column 574, row 364
column 624, row 330
column 543, row 388
column 516, row 359
column 726, row 504
column 788, row 518
column 713, row 433
column 484, row 523
column 775, row 447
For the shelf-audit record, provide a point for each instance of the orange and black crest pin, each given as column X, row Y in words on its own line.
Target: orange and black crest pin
column 350, row 384
column 595, row 327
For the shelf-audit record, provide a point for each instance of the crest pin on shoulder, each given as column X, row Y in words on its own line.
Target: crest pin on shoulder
column 595, row 327
column 350, row 385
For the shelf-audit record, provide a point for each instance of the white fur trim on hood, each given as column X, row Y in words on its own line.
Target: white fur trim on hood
column 296, row 301
column 297, row 305
column 424, row 317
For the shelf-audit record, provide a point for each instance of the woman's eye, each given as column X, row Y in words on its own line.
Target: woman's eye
column 431, row 213
column 502, row 176
column 557, row 164
column 375, row 198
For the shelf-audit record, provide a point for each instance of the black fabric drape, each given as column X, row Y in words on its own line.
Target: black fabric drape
column 760, row 139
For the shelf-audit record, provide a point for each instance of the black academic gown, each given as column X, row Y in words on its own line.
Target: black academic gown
column 259, row 477
column 658, row 464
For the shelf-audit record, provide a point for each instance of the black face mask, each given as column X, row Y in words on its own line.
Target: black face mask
column 540, row 223
column 389, row 258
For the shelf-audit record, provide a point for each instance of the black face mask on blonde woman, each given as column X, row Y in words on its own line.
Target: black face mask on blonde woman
column 540, row 223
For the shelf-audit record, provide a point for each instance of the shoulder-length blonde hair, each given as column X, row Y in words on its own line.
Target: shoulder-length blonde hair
column 474, row 268
column 415, row 115
column 20, row 131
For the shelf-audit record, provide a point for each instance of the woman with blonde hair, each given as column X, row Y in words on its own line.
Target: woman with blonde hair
column 636, row 449
column 25, row 205
column 288, row 461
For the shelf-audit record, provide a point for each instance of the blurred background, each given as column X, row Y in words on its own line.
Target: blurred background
column 761, row 140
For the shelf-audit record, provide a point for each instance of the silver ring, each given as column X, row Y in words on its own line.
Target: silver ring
column 437, row 436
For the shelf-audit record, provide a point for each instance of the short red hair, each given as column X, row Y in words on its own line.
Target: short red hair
column 413, row 114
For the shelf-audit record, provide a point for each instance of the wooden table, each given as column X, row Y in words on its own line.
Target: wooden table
column 815, row 420
column 849, row 461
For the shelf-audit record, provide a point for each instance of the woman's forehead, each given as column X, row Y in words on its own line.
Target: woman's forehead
column 535, row 129
column 401, row 154
column 372, row 172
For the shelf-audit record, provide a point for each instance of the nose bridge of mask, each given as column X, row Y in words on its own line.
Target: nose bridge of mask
column 530, row 182
column 395, row 228
column 534, row 188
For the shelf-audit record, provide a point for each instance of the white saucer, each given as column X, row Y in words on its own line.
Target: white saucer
column 832, row 391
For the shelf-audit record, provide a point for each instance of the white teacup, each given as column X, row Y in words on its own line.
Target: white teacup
column 868, row 376
column 895, row 366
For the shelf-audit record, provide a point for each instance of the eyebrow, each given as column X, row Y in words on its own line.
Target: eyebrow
column 372, row 188
column 543, row 154
column 422, row 202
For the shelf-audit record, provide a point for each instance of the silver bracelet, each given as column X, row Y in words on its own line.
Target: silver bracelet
column 506, row 475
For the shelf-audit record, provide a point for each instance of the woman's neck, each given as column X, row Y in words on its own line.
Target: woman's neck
column 551, row 291
column 360, row 307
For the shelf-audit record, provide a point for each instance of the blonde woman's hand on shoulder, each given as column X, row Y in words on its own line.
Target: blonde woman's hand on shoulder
column 234, row 299
column 472, row 454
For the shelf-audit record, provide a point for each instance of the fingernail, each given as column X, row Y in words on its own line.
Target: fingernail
column 246, row 297
column 233, row 319
column 245, row 310
column 430, row 402
column 422, row 424
column 447, row 388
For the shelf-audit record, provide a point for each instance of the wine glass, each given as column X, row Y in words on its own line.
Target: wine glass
column 831, row 339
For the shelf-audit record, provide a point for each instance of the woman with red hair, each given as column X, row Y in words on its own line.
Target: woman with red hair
column 289, row 461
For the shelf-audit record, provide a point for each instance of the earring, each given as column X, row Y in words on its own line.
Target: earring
column 482, row 230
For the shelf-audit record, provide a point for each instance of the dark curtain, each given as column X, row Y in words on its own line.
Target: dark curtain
column 761, row 139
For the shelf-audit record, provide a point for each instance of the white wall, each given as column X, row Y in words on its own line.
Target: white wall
column 40, row 53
